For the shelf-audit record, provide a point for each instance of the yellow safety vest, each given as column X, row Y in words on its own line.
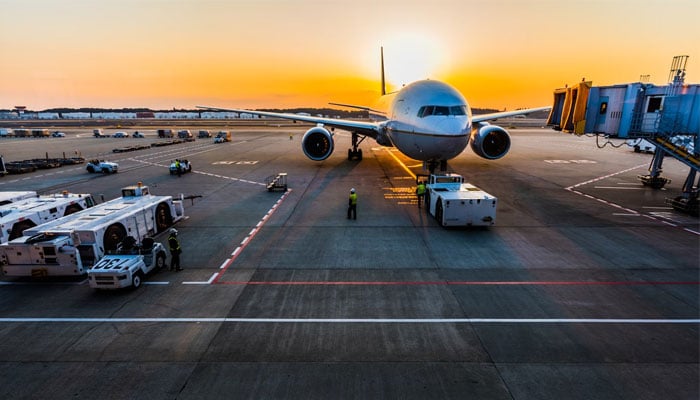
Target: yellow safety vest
column 353, row 199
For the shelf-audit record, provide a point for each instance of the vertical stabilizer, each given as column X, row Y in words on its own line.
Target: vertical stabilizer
column 383, row 82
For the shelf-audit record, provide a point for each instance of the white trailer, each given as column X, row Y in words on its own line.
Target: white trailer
column 455, row 203
column 11, row 197
column 72, row 244
column 20, row 215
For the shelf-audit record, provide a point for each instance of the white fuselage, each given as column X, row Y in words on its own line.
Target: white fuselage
column 426, row 120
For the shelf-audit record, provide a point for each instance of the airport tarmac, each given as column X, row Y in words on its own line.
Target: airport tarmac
column 586, row 287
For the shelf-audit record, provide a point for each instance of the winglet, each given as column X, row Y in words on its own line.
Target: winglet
column 383, row 82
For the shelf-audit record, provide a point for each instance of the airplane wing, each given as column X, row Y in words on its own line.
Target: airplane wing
column 363, row 128
column 504, row 114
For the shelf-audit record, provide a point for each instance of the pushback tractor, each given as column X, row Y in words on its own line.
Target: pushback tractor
column 73, row 244
column 455, row 203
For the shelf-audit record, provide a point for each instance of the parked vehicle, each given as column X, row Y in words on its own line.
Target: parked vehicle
column 138, row 134
column 58, row 134
column 120, row 135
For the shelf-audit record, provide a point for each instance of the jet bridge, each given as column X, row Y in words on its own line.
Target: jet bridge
column 667, row 116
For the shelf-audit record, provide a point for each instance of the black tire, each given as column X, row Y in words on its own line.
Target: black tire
column 19, row 227
column 359, row 155
column 426, row 202
column 71, row 209
column 105, row 171
column 349, row 154
column 114, row 234
column 137, row 280
column 439, row 212
column 163, row 217
column 90, row 169
column 160, row 262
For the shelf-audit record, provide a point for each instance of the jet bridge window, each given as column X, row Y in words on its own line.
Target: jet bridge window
column 427, row 111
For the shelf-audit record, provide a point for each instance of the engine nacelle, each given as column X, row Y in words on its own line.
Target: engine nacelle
column 490, row 141
column 317, row 143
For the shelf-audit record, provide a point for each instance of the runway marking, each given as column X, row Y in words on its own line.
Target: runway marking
column 202, row 282
column 462, row 283
column 626, row 321
column 244, row 243
column 204, row 173
column 629, row 212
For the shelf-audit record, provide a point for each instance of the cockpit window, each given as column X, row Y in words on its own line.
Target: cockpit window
column 427, row 111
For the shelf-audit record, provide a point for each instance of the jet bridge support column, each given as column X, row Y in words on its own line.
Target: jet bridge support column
column 654, row 179
column 688, row 201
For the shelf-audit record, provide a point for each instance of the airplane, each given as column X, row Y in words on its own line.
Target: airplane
column 427, row 120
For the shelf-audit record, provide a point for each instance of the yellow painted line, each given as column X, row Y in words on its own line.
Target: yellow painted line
column 402, row 165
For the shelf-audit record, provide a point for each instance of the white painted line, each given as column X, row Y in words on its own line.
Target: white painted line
column 200, row 282
column 156, row 283
column 364, row 320
column 626, row 215
column 235, row 252
column 252, row 232
column 618, row 188
column 245, row 241
column 223, row 264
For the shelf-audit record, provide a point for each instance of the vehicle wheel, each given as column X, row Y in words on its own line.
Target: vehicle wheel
column 438, row 212
column 137, row 280
column 90, row 169
column 163, row 217
column 114, row 234
column 160, row 262
column 71, row 209
column 19, row 227
column 105, row 171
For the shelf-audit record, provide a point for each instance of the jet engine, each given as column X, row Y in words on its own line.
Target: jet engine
column 490, row 141
column 317, row 143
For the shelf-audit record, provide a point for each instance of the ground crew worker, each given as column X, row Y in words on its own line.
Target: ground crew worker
column 174, row 250
column 420, row 192
column 177, row 167
column 352, row 204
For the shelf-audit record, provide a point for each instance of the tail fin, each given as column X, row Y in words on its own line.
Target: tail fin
column 383, row 82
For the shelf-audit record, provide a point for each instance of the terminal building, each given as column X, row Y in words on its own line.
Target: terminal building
column 668, row 117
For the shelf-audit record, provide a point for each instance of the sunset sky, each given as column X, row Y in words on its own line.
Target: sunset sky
column 279, row 54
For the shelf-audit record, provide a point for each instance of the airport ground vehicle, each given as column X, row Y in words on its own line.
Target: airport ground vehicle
column 455, row 203
column 58, row 134
column 204, row 134
column 185, row 166
column 138, row 135
column 106, row 167
column 20, row 215
column 120, row 135
column 128, row 266
column 185, row 134
column 71, row 245
column 10, row 197
column 98, row 133
column 40, row 133
column 6, row 132
column 222, row 136
column 165, row 133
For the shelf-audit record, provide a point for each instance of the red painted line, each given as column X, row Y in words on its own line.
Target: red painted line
column 461, row 283
column 249, row 238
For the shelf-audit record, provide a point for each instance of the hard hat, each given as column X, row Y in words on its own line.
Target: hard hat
column 173, row 231
column 352, row 190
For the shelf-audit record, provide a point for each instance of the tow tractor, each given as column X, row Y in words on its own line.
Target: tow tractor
column 455, row 203
column 128, row 266
column 185, row 166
